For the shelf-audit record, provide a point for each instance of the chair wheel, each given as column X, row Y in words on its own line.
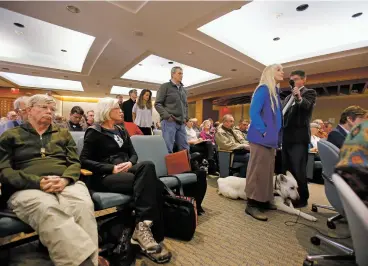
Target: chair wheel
column 331, row 225
column 314, row 208
column 308, row 263
column 315, row 241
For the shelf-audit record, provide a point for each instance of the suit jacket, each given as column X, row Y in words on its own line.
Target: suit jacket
column 337, row 136
column 297, row 117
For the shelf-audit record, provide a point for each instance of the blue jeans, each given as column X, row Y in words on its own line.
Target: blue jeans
column 173, row 132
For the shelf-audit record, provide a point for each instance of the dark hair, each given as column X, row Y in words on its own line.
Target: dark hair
column 140, row 102
column 299, row 73
column 216, row 124
column 77, row 110
column 132, row 91
column 353, row 112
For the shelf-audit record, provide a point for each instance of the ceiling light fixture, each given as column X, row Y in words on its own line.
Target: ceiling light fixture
column 73, row 9
column 276, row 39
column 233, row 69
column 171, row 62
column 35, row 72
column 357, row 14
column 19, row 25
column 302, row 7
column 190, row 52
column 138, row 33
column 5, row 68
column 18, row 32
column 63, row 50
column 66, row 77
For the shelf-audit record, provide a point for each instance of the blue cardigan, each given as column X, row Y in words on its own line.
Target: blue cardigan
column 264, row 120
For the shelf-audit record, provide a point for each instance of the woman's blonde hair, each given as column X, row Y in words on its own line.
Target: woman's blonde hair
column 268, row 79
column 103, row 109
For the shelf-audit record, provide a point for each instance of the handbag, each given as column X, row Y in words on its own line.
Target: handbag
column 178, row 162
column 180, row 214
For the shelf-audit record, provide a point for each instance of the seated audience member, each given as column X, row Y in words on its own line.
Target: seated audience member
column 90, row 118
column 195, row 127
column 353, row 164
column 3, row 120
column 20, row 110
column 314, row 127
column 75, row 119
column 41, row 178
column 59, row 121
column 229, row 139
column 215, row 125
column 243, row 127
column 132, row 128
column 321, row 131
column 142, row 112
column 328, row 127
column 204, row 147
column 108, row 152
column 12, row 116
column 158, row 125
column 206, row 133
column 350, row 117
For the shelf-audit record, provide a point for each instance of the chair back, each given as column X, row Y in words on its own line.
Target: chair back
column 80, row 143
column 77, row 135
column 151, row 148
column 329, row 155
column 357, row 216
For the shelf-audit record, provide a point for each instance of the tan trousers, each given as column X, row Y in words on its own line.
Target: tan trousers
column 65, row 222
column 260, row 172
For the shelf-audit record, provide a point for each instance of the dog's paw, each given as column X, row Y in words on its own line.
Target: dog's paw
column 314, row 219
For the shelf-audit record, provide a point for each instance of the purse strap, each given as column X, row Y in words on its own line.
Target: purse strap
column 169, row 190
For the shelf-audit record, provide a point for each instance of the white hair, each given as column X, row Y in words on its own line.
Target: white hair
column 103, row 109
column 20, row 100
column 39, row 99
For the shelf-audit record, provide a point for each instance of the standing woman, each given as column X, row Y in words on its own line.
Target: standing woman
column 264, row 136
column 142, row 112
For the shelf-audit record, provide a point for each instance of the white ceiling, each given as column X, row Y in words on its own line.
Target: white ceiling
column 123, row 34
column 316, row 31
column 115, row 90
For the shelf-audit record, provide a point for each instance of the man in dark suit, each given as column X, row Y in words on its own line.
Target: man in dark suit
column 297, row 111
column 350, row 117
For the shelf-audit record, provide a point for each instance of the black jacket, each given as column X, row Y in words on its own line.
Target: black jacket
column 297, row 118
column 101, row 152
column 337, row 136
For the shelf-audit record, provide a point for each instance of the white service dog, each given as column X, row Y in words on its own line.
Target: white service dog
column 285, row 190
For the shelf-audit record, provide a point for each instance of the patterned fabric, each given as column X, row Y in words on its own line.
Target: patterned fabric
column 353, row 164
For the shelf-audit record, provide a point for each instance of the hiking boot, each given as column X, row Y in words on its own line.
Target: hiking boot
column 160, row 257
column 143, row 237
column 255, row 213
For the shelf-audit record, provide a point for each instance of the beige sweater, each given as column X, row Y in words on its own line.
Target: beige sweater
column 229, row 139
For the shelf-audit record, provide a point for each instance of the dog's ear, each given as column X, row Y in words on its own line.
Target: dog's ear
column 289, row 174
column 282, row 178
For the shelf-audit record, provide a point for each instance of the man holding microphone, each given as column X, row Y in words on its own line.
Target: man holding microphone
column 297, row 111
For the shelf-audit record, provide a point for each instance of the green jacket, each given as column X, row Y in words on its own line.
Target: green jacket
column 22, row 165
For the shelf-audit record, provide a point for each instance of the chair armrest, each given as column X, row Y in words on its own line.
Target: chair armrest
column 225, row 151
column 86, row 172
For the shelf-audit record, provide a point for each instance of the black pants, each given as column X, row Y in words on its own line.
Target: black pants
column 242, row 156
column 205, row 148
column 141, row 182
column 146, row 130
column 294, row 159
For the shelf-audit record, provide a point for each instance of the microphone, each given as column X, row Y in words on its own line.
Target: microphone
column 292, row 83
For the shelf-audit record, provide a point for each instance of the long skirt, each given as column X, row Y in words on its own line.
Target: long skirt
column 260, row 173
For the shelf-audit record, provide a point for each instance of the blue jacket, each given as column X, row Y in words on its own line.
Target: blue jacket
column 264, row 120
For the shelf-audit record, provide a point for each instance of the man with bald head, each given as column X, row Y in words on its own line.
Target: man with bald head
column 230, row 139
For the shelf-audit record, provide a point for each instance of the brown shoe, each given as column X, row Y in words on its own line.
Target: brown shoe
column 102, row 261
column 160, row 257
column 143, row 237
column 255, row 213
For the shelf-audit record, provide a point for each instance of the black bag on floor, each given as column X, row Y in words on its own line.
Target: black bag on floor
column 180, row 214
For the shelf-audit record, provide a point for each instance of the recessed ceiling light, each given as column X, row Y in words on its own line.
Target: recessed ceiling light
column 5, row 68
column 190, row 52
column 18, row 32
column 234, row 69
column 357, row 15
column 35, row 72
column 73, row 9
column 171, row 62
column 63, row 50
column 140, row 64
column 302, row 7
column 66, row 77
column 276, row 39
column 19, row 25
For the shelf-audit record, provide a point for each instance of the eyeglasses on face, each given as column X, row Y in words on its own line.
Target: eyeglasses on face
column 46, row 107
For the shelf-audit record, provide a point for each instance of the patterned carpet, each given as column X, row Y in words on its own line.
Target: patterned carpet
column 226, row 236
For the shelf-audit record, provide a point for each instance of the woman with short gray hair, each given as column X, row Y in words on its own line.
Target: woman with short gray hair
column 108, row 152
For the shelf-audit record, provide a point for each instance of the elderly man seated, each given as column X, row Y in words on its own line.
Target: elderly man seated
column 39, row 170
column 230, row 139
